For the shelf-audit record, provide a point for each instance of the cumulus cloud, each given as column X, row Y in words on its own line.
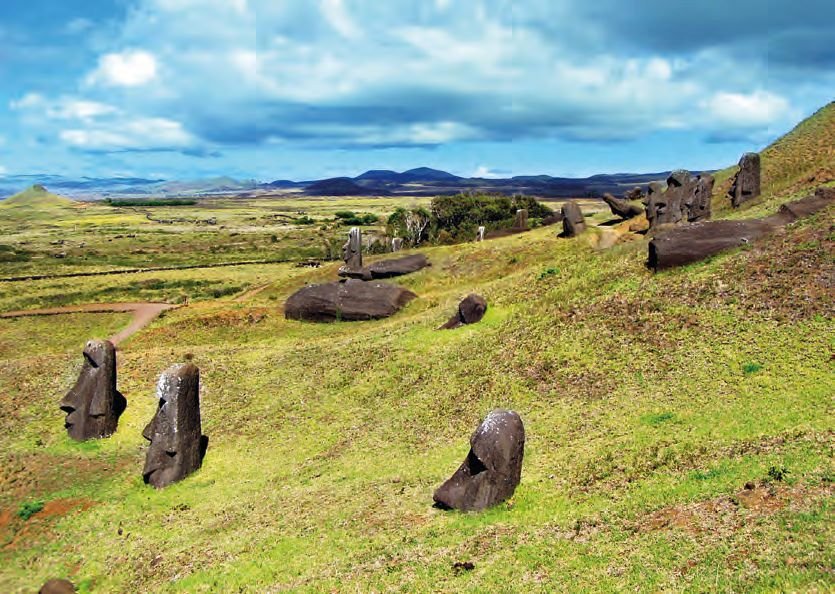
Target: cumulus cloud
column 129, row 135
column 130, row 68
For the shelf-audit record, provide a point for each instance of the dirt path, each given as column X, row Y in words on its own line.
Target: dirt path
column 143, row 314
column 250, row 293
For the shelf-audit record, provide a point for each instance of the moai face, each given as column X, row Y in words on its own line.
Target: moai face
column 352, row 250
column 177, row 446
column 493, row 467
column 93, row 405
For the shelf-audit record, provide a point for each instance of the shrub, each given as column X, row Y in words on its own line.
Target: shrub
column 750, row 368
column 460, row 215
column 29, row 509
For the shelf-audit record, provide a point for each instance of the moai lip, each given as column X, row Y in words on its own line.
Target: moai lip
column 177, row 444
column 93, row 405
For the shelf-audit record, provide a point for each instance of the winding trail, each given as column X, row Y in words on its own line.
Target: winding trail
column 143, row 314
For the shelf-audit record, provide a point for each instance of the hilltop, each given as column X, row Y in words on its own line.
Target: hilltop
column 36, row 197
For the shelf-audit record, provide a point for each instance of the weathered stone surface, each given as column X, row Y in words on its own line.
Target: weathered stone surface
column 746, row 183
column 622, row 208
column 57, row 587
column 93, row 405
column 521, row 220
column 698, row 207
column 694, row 242
column 687, row 199
column 573, row 221
column 480, row 233
column 352, row 251
column 388, row 268
column 471, row 309
column 493, row 467
column 396, row 244
column 177, row 444
column 350, row 300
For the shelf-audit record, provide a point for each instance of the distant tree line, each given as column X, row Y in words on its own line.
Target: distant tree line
column 151, row 202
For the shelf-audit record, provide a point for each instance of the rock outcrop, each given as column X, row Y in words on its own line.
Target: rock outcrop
column 694, row 242
column 471, row 309
column 93, row 405
column 349, row 300
column 746, row 183
column 493, row 467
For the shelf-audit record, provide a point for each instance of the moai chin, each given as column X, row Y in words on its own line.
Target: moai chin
column 177, row 445
column 93, row 405
column 493, row 467
column 352, row 250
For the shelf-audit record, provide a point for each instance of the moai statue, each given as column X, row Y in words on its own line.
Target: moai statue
column 622, row 207
column 573, row 221
column 471, row 309
column 521, row 221
column 699, row 205
column 93, row 405
column 635, row 193
column 396, row 244
column 672, row 206
column 177, row 444
column 479, row 236
column 352, row 250
column 493, row 468
column 746, row 182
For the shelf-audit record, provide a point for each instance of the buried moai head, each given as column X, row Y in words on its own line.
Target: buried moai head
column 746, row 183
column 177, row 445
column 521, row 220
column 57, row 586
column 93, row 405
column 493, row 467
column 352, row 250
column 573, row 221
column 471, row 309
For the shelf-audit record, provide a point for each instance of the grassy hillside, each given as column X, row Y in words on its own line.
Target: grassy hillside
column 679, row 426
column 35, row 200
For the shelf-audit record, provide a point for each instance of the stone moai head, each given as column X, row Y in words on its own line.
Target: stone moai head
column 746, row 182
column 352, row 250
column 93, row 405
column 493, row 467
column 177, row 445
column 480, row 233
column 396, row 244
column 521, row 221
column 471, row 309
column 573, row 221
column 699, row 207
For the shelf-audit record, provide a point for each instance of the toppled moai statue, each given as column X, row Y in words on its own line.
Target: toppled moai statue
column 346, row 301
column 396, row 244
column 621, row 207
column 471, row 309
column 573, row 222
column 480, row 233
column 521, row 220
column 57, row 587
column 352, row 251
column 493, row 467
column 93, row 405
column 746, row 183
column 177, row 444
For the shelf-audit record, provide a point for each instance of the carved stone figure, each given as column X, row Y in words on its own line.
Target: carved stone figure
column 698, row 208
column 177, row 444
column 396, row 244
column 622, row 208
column 352, row 250
column 687, row 199
column 350, row 300
column 93, row 405
column 480, row 234
column 493, row 467
column 746, row 182
column 521, row 221
column 573, row 222
column 388, row 268
column 57, row 587
column 635, row 193
column 471, row 309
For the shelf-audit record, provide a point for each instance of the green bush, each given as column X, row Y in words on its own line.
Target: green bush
column 460, row 215
column 29, row 509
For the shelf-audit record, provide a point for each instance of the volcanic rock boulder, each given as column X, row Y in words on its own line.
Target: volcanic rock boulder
column 622, row 208
column 492, row 469
column 471, row 309
column 57, row 587
column 350, row 300
column 746, row 183
column 573, row 222
column 388, row 268
column 352, row 251
column 697, row 241
column 93, row 405
column 177, row 444
column 521, row 220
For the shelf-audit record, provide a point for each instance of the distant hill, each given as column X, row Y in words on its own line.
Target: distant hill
column 35, row 199
column 340, row 186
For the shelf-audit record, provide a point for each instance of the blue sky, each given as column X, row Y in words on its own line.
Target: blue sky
column 302, row 89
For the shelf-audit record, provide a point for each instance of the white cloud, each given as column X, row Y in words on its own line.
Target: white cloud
column 131, row 68
column 3, row 170
column 336, row 14
column 125, row 134
column 738, row 110
column 485, row 172
column 77, row 26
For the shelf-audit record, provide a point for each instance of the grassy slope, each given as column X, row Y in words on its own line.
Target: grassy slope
column 649, row 401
